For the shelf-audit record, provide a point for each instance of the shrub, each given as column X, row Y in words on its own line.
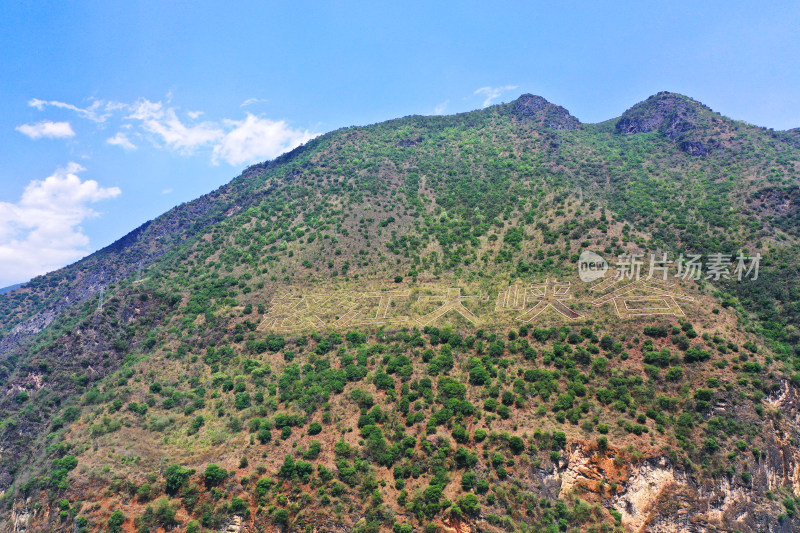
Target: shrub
column 281, row 516
column 478, row 375
column 355, row 337
column 710, row 445
column 143, row 493
column 559, row 440
column 516, row 445
column 275, row 343
column 656, row 331
column 237, row 505
column 62, row 467
column 287, row 470
column 468, row 503
column 164, row 514
column 704, row 395
column 176, row 477
column 600, row 365
column 384, row 381
column 214, row 475
column 242, row 400
column 262, row 486
column 460, row 434
column 115, row 521
column 675, row 373
column 693, row 355
column 751, row 367
column 465, row 459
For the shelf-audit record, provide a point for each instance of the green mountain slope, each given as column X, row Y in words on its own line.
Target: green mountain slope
column 386, row 329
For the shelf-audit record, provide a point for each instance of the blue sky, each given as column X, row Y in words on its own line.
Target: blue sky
column 113, row 112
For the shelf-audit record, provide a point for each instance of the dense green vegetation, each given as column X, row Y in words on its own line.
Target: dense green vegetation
column 174, row 401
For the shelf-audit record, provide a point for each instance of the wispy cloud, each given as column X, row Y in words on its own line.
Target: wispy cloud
column 45, row 128
column 251, row 101
column 257, row 138
column 493, row 93
column 164, row 122
column 42, row 231
column 439, row 109
column 121, row 140
column 97, row 111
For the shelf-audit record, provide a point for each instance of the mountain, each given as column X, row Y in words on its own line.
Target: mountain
column 10, row 288
column 431, row 323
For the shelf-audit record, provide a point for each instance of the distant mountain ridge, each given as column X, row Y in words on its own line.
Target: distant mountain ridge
column 11, row 287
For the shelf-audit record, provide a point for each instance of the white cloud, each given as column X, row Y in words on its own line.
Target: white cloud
column 439, row 109
column 121, row 139
column 251, row 101
column 45, row 128
column 41, row 232
column 165, row 123
column 233, row 141
column 257, row 138
column 166, row 191
column 493, row 93
column 98, row 111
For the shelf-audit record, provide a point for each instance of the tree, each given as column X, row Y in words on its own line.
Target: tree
column 242, row 400
column 214, row 475
column 287, row 469
column 516, row 444
column 115, row 521
column 281, row 516
column 468, row 503
column 479, row 375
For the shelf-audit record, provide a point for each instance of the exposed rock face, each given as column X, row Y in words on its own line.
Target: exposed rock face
column 21, row 516
column 673, row 115
column 235, row 525
column 669, row 113
column 536, row 109
column 645, row 489
column 655, row 495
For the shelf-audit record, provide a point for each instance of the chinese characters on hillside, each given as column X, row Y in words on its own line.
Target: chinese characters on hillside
column 638, row 286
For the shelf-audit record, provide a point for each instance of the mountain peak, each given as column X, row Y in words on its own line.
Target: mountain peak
column 676, row 116
column 530, row 107
column 670, row 113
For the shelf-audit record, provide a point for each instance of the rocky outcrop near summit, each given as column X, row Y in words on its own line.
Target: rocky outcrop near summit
column 536, row 109
column 675, row 116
